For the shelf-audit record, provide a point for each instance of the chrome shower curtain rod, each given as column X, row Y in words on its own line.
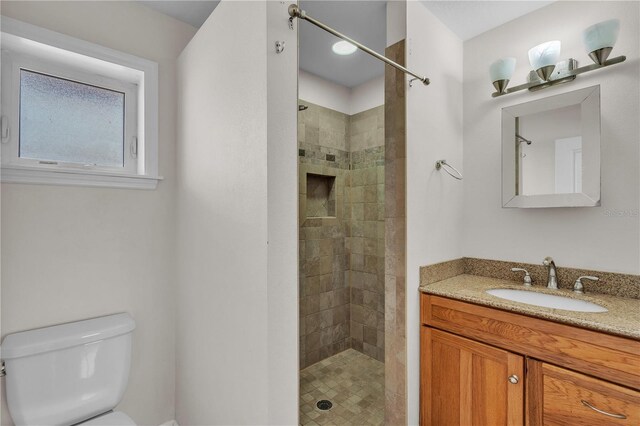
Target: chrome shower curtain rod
column 296, row 12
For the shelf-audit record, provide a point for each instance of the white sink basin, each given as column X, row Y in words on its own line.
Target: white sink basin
column 546, row 300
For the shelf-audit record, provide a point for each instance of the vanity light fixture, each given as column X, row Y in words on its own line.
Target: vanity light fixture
column 543, row 58
column 501, row 71
column 599, row 40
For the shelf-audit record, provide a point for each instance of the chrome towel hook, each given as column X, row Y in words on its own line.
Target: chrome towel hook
column 442, row 164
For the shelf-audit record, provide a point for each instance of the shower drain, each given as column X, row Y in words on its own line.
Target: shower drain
column 324, row 404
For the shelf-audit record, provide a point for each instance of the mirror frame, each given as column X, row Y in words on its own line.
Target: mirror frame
column 589, row 101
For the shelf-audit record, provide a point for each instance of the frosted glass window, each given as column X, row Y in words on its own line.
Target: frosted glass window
column 66, row 121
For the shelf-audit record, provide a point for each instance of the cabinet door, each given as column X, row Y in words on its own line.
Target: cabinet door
column 468, row 383
column 556, row 396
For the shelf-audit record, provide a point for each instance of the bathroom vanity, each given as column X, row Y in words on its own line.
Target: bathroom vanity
column 489, row 361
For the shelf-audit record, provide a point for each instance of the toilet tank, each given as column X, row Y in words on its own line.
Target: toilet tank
column 67, row 373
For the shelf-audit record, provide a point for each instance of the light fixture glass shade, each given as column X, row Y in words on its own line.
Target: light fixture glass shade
column 544, row 55
column 343, row 48
column 600, row 38
column 502, row 69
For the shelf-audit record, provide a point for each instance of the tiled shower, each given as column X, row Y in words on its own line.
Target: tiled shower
column 341, row 196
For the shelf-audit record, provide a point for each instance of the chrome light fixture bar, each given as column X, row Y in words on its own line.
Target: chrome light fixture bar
column 598, row 39
column 564, row 72
column 296, row 12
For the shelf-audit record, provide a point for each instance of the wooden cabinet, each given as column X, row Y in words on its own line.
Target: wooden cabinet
column 469, row 383
column 562, row 397
column 573, row 376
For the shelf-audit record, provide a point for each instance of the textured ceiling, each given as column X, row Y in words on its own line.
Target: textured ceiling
column 364, row 21
column 191, row 12
column 468, row 19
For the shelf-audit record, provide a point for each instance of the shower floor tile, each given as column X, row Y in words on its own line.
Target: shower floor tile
column 352, row 381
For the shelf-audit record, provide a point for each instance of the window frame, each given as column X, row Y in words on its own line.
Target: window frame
column 12, row 86
column 43, row 51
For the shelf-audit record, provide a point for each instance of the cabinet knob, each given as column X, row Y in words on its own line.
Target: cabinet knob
column 513, row 379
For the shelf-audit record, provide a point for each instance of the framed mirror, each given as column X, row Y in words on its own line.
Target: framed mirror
column 551, row 151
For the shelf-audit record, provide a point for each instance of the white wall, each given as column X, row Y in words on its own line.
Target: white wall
column 319, row 91
column 237, row 192
column 222, row 220
column 350, row 101
column 396, row 21
column 601, row 238
column 434, row 199
column 70, row 253
column 367, row 95
column 282, row 189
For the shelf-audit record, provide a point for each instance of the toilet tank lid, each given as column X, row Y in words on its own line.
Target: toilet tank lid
column 63, row 336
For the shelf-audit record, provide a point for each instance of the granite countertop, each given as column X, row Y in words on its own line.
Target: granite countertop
column 622, row 318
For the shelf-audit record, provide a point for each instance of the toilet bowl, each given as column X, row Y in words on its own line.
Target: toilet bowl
column 69, row 374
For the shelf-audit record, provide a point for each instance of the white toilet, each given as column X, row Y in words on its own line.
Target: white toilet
column 69, row 374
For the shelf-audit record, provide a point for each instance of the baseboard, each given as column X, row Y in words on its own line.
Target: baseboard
column 170, row 423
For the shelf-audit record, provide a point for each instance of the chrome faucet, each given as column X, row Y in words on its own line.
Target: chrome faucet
column 552, row 280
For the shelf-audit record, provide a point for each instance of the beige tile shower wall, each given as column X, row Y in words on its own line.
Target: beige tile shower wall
column 395, row 368
column 321, row 132
column 365, row 240
column 366, row 130
column 324, row 291
column 341, row 247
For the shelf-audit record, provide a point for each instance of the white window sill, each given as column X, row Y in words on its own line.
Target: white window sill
column 95, row 178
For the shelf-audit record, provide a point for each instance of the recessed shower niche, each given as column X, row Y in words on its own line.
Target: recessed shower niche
column 321, row 195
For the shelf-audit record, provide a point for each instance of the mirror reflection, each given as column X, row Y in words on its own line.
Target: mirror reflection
column 549, row 152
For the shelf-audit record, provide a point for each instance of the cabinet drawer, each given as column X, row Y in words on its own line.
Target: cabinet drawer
column 612, row 358
column 565, row 397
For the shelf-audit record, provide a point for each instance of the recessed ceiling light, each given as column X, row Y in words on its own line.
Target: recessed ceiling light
column 343, row 48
